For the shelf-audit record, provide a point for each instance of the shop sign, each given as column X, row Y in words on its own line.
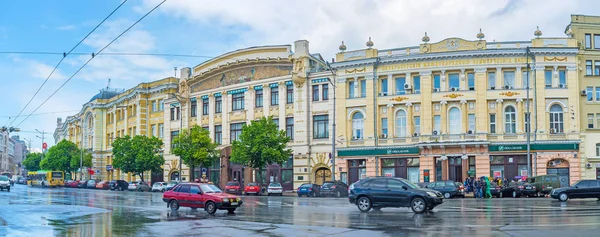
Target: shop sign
column 534, row 147
column 497, row 174
column 379, row 151
column 426, row 176
column 388, row 175
column 523, row 172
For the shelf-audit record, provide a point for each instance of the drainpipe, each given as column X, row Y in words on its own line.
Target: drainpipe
column 375, row 107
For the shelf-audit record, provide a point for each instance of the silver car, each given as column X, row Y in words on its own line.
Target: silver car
column 159, row 187
column 275, row 189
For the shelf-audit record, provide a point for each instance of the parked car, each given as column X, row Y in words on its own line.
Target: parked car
column 73, row 184
column 102, row 185
column 274, row 189
column 449, row 189
column 159, row 186
column 580, row 189
column 143, row 187
column 252, row 188
column 309, row 190
column 377, row 193
column 422, row 184
column 133, row 186
column 21, row 180
column 233, row 187
column 334, row 188
column 82, row 184
column 4, row 183
column 201, row 195
column 120, row 185
column 518, row 189
column 91, row 184
column 171, row 185
column 544, row 184
column 495, row 190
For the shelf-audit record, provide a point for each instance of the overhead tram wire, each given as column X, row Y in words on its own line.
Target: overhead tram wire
column 124, row 54
column 63, row 58
column 88, row 61
column 53, row 112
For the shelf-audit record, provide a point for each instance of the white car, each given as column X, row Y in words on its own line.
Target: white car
column 4, row 183
column 159, row 186
column 133, row 186
column 274, row 189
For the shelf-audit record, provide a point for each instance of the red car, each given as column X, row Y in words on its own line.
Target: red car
column 252, row 188
column 201, row 195
column 233, row 187
column 72, row 184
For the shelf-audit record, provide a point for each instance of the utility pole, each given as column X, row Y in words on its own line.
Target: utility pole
column 42, row 137
column 334, row 87
column 180, row 126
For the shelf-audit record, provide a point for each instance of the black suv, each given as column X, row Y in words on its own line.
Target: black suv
column 120, row 185
column 581, row 189
column 382, row 192
column 334, row 188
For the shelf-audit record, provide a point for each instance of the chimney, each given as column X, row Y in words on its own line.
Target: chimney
column 185, row 73
column 301, row 47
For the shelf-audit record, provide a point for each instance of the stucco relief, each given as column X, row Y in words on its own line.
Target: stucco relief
column 240, row 75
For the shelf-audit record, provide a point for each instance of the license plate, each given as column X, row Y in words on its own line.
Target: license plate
column 303, row 189
column 528, row 188
column 234, row 203
column 232, row 190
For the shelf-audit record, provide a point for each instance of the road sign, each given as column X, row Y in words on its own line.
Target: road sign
column 109, row 167
column 44, row 146
column 204, row 170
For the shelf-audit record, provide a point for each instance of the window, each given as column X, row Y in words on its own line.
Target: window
column 597, row 120
column 525, row 79
column 436, row 82
column 510, row 120
column 315, row 92
column 237, row 101
column 417, row 124
column 588, row 41
column 400, row 81
column 437, row 123
column 258, row 99
column 219, row 134
column 384, row 126
column 492, row 123
column 597, row 93
column 325, row 92
column 194, row 189
column 491, row 80
column 289, row 94
column 472, row 122
column 363, row 88
column 154, row 107
column 289, row 127
column 471, row 81
column 236, row 131
column 161, row 105
column 193, row 108
column 161, row 130
column 548, row 78
column 417, row 84
column 590, row 93
column 590, row 118
column 205, row 106
column 384, row 86
column 454, row 121
column 509, row 79
column 276, row 121
column 556, row 119
column 562, row 78
column 401, row 123
column 588, row 67
column 153, row 130
column 320, row 126
column 205, row 128
column 597, row 68
column 454, row 81
column 596, row 41
column 358, row 126
column 218, row 104
column 274, row 96
column 597, row 149
column 172, row 113
column 351, row 89
column 173, row 135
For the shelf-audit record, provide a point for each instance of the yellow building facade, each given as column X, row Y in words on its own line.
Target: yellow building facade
column 455, row 108
column 116, row 113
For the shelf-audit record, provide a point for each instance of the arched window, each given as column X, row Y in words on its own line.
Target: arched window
column 358, row 126
column 401, row 123
column 454, row 121
column 556, row 119
column 510, row 120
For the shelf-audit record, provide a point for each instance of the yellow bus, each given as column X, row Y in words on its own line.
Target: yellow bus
column 45, row 178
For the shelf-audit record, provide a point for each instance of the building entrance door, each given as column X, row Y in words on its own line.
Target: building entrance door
column 563, row 175
column 455, row 169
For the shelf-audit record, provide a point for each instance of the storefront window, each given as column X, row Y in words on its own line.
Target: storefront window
column 413, row 162
column 362, row 172
column 413, row 174
column 389, row 172
column 388, row 162
column 497, row 171
column 497, row 160
column 344, row 177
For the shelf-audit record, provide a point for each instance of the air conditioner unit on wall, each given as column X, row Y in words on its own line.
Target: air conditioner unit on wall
column 562, row 85
column 383, row 135
column 416, row 134
column 470, row 132
column 435, row 132
column 454, row 89
column 583, row 92
column 436, row 89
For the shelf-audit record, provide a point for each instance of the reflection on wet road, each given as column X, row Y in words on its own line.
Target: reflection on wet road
column 30, row 211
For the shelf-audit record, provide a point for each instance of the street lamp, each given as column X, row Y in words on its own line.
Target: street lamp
column 333, row 124
column 179, row 99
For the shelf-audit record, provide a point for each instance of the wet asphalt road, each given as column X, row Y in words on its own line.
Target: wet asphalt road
column 27, row 211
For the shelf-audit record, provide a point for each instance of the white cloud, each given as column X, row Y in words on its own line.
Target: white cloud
column 66, row 27
column 391, row 24
column 38, row 69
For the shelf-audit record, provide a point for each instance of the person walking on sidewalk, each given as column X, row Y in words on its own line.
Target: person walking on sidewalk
column 477, row 188
column 488, row 192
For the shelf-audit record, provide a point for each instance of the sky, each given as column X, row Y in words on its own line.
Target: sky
column 210, row 28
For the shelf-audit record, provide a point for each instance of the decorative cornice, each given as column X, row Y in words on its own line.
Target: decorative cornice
column 519, row 100
column 499, row 100
column 443, row 102
column 510, row 93
column 399, row 98
column 453, row 95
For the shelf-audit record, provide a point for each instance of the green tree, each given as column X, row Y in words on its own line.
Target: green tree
column 76, row 160
column 59, row 156
column 260, row 144
column 195, row 148
column 32, row 161
column 138, row 154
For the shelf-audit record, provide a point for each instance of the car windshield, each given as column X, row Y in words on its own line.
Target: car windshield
column 209, row 188
column 232, row 184
column 173, row 183
column 327, row 185
column 157, row 184
column 306, row 185
column 410, row 184
column 3, row 178
column 275, row 185
column 576, row 183
column 252, row 184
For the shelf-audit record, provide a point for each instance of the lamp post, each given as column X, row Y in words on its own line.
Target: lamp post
column 179, row 99
column 528, row 118
column 333, row 124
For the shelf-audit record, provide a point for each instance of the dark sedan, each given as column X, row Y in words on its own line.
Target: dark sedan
column 581, row 189
column 449, row 189
column 335, row 189
column 518, row 189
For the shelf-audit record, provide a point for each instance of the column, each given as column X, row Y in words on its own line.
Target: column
column 521, row 115
column 391, row 119
column 499, row 117
column 426, row 108
column 465, row 116
column 519, row 78
column 499, row 78
column 355, row 89
column 444, row 117
column 266, row 100
column 249, row 104
column 390, row 82
column 409, row 119
column 540, row 106
column 370, row 131
column 555, row 77
column 443, row 84
column 282, row 103
column 211, row 115
column 125, row 124
column 225, row 109
column 481, row 106
column 463, row 84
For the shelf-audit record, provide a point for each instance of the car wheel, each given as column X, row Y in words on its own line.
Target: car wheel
column 281, row 194
column 174, row 205
column 563, row 197
column 418, row 205
column 447, row 195
column 121, row 189
column 231, row 210
column 211, row 208
column 8, row 189
column 162, row 191
column 338, row 194
column 538, row 194
column 364, row 204
column 515, row 194
column 268, row 194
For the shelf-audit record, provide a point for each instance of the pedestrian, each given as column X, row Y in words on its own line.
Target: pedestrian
column 488, row 192
column 477, row 189
column 466, row 185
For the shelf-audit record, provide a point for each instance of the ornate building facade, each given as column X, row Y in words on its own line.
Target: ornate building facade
column 111, row 114
column 455, row 108
column 238, row 87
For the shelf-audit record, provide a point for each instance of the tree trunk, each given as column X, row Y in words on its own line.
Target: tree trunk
column 141, row 176
column 259, row 181
column 192, row 173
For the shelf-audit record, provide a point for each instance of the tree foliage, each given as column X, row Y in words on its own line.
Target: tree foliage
column 59, row 157
column 78, row 158
column 32, row 161
column 195, row 148
column 138, row 154
column 260, row 144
